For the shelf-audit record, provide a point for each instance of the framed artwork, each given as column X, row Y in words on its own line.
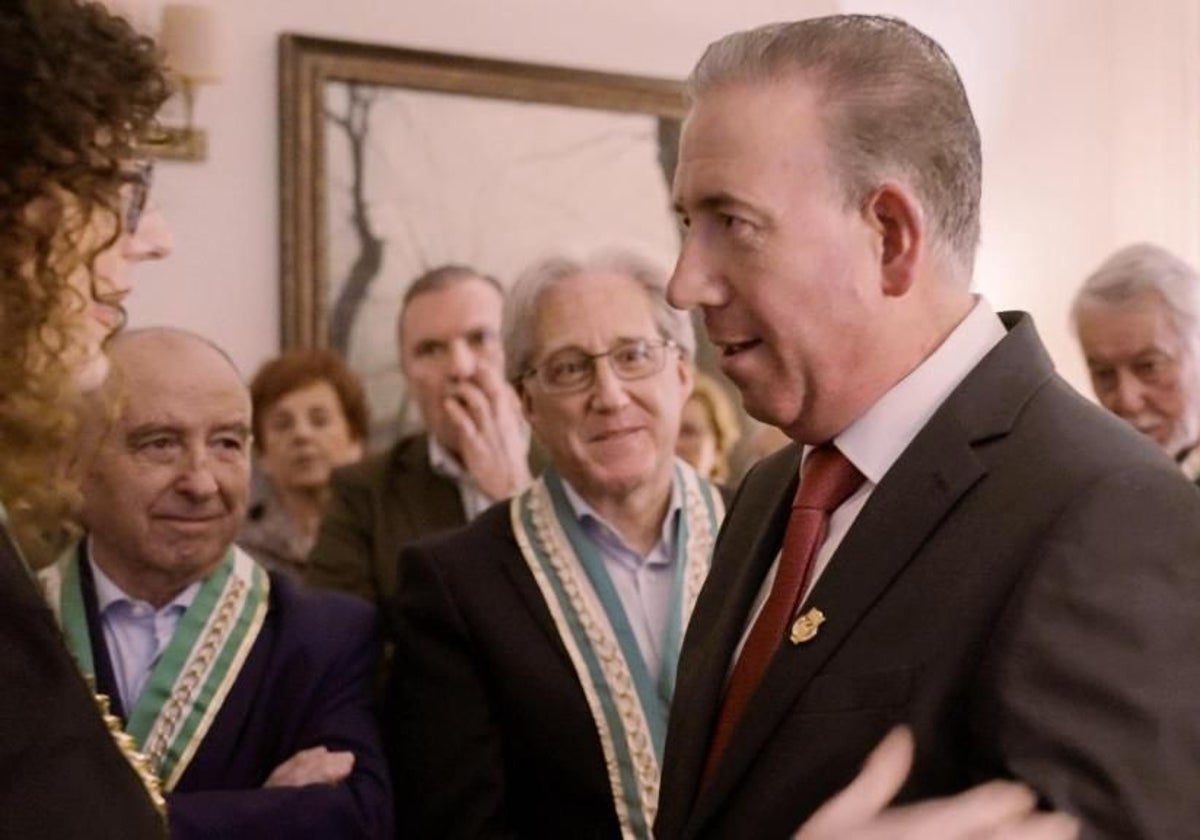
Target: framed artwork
column 394, row 161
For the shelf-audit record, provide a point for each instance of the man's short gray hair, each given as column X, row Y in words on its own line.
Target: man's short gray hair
column 893, row 106
column 1144, row 269
column 435, row 280
column 523, row 302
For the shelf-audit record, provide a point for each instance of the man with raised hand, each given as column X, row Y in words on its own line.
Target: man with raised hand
column 472, row 453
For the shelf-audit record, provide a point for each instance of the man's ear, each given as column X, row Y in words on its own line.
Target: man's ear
column 898, row 219
column 687, row 373
column 526, row 402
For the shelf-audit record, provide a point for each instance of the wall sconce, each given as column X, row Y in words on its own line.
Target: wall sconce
column 188, row 40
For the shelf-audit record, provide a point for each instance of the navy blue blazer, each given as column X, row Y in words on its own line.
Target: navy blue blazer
column 306, row 683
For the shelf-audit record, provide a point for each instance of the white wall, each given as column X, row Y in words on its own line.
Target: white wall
column 1088, row 108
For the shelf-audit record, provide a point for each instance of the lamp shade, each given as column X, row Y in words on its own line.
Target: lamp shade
column 188, row 37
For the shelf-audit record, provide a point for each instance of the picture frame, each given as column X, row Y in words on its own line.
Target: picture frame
column 466, row 153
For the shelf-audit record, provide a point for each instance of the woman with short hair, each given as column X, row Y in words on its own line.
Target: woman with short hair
column 310, row 417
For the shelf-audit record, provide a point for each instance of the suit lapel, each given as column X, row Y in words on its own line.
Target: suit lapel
column 106, row 680
column 517, row 570
column 915, row 495
column 903, row 510
column 425, row 502
column 745, row 549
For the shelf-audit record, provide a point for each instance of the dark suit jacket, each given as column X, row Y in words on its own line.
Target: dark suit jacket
column 490, row 728
column 376, row 506
column 305, row 683
column 1022, row 587
column 61, row 774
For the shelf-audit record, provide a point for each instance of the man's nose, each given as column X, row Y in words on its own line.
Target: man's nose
column 609, row 390
column 152, row 240
column 461, row 360
column 196, row 478
column 1128, row 395
column 692, row 282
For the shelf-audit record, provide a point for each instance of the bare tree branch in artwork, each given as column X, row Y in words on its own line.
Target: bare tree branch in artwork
column 356, row 123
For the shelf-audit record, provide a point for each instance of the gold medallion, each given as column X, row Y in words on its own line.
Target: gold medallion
column 805, row 627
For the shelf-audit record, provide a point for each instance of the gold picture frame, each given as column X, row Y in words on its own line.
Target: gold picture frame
column 328, row 251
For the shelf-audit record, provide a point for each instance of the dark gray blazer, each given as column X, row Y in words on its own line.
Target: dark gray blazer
column 377, row 506
column 1022, row 588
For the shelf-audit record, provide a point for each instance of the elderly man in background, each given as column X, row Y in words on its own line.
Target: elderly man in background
column 956, row 539
column 1138, row 322
column 473, row 451
column 249, row 695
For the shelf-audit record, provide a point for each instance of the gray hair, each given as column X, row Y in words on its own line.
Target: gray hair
column 893, row 105
column 522, row 305
column 1144, row 269
column 436, row 279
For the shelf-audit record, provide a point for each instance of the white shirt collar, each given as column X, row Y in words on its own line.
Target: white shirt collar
column 443, row 462
column 876, row 440
column 108, row 593
column 584, row 511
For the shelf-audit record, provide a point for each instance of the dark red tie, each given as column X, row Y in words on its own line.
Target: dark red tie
column 826, row 480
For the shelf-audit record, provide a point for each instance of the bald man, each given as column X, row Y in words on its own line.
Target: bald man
column 249, row 696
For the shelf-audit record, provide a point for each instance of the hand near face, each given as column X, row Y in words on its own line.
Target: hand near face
column 314, row 766
column 493, row 440
column 993, row 811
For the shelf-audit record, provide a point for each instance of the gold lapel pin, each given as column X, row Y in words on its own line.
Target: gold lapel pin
column 806, row 626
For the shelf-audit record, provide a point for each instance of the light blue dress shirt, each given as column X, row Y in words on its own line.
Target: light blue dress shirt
column 643, row 582
column 136, row 633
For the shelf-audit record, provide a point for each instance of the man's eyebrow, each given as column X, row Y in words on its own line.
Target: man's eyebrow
column 237, row 428
column 717, row 201
column 146, row 430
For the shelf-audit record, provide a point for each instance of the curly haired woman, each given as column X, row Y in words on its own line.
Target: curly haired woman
column 78, row 87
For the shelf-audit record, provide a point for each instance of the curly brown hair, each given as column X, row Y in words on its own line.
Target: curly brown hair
column 78, row 88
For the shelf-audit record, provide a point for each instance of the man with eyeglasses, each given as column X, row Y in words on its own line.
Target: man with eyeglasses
column 1137, row 318
column 536, row 648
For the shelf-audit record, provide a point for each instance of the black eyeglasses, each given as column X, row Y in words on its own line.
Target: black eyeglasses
column 140, row 177
column 570, row 370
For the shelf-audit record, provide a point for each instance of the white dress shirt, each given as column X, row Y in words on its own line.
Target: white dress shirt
column 875, row 441
column 135, row 632
column 474, row 500
column 643, row 582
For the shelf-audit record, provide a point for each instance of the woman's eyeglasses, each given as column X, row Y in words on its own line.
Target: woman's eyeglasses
column 140, row 177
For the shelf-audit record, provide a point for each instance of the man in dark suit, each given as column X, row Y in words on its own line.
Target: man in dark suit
column 1008, row 569
column 536, row 648
column 249, row 696
column 1137, row 318
column 473, row 452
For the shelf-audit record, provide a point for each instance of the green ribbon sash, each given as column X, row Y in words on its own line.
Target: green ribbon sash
column 628, row 706
column 197, row 668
